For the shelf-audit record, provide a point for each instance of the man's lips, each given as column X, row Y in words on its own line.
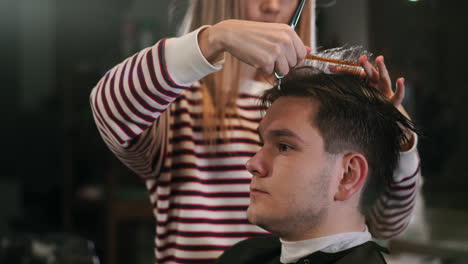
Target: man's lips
column 257, row 191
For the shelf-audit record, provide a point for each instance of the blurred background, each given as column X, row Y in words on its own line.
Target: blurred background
column 59, row 185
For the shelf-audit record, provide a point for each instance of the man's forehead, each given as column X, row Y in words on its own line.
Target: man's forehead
column 290, row 118
column 289, row 109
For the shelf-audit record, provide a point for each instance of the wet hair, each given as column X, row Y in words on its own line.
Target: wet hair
column 352, row 116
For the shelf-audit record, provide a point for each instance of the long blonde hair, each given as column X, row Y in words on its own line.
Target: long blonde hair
column 220, row 89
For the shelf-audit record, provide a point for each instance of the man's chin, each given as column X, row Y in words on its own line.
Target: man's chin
column 255, row 217
column 251, row 215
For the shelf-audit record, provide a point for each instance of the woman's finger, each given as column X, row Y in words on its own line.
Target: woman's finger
column 281, row 66
column 371, row 73
column 301, row 50
column 291, row 54
column 385, row 77
column 399, row 95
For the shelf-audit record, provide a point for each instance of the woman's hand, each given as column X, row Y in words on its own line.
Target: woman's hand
column 270, row 47
column 380, row 79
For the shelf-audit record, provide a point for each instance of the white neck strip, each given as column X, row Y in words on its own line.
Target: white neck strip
column 291, row 252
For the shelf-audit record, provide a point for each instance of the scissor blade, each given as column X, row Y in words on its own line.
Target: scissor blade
column 297, row 14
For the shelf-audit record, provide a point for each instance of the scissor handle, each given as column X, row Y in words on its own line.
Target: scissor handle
column 277, row 76
column 294, row 20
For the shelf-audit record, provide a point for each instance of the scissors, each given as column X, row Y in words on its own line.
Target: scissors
column 293, row 23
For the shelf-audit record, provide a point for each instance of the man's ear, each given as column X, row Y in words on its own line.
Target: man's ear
column 353, row 176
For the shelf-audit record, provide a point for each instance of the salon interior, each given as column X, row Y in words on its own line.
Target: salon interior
column 65, row 198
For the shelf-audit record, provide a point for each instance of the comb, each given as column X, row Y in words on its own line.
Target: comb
column 335, row 61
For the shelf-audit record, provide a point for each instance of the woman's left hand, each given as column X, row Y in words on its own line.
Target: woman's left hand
column 380, row 79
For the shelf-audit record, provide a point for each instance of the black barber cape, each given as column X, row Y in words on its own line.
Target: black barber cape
column 267, row 250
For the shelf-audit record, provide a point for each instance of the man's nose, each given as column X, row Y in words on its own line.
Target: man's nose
column 256, row 165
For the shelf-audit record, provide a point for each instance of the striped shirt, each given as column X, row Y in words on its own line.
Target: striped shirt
column 199, row 197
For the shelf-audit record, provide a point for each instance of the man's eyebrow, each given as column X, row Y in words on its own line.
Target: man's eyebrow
column 284, row 133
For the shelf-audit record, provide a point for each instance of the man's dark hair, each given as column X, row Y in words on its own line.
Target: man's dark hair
column 352, row 116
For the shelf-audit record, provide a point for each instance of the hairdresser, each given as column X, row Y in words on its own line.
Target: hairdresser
column 183, row 115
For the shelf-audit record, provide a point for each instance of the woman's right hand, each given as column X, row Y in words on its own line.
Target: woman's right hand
column 270, row 47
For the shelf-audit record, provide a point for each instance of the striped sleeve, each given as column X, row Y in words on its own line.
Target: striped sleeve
column 391, row 213
column 130, row 97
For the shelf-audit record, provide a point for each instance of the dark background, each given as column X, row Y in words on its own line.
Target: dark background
column 56, row 173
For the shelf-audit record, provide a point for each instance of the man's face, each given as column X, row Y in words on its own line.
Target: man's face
column 277, row 11
column 290, row 189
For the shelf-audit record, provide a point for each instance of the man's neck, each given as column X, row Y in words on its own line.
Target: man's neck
column 333, row 223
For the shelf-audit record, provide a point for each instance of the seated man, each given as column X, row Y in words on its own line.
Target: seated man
column 330, row 145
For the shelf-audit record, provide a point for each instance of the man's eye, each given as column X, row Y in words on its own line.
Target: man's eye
column 284, row 147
